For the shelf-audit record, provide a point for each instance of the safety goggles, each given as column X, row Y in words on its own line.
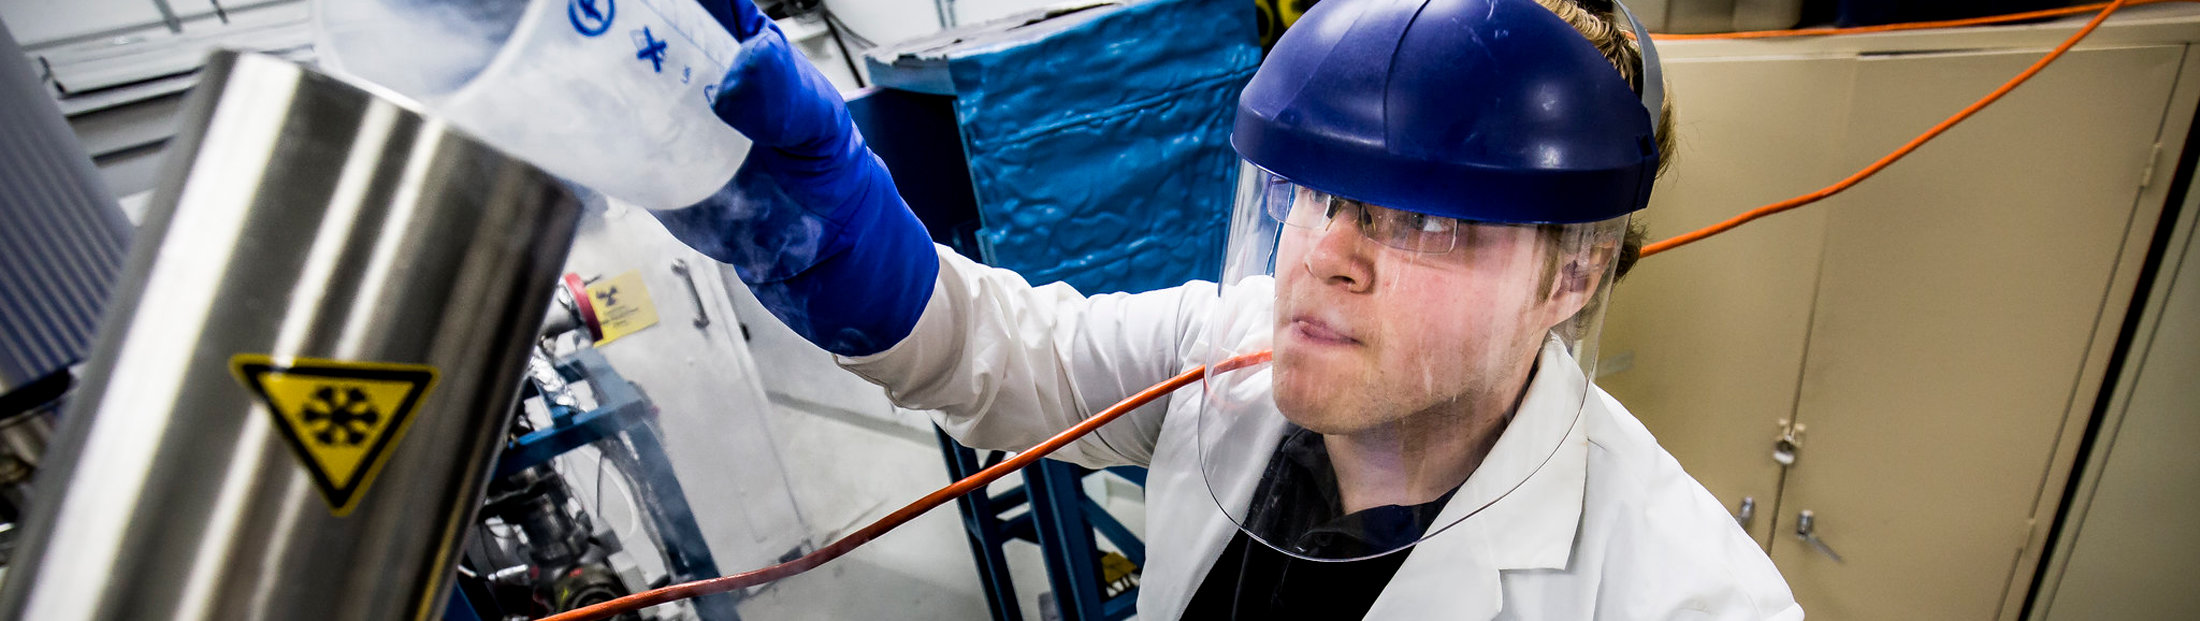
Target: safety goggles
column 1309, row 208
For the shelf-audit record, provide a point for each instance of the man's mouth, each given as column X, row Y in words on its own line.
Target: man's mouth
column 1317, row 331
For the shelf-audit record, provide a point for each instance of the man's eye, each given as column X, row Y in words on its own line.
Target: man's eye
column 1426, row 224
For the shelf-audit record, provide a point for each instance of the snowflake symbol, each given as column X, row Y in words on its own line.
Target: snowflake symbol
column 340, row 418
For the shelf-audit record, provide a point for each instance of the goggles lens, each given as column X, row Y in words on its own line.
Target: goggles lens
column 1403, row 230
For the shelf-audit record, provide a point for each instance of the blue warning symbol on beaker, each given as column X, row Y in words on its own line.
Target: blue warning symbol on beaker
column 591, row 17
column 648, row 47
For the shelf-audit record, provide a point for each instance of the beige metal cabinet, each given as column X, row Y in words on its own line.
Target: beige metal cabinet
column 1938, row 336
column 2128, row 551
column 1952, row 335
column 1706, row 344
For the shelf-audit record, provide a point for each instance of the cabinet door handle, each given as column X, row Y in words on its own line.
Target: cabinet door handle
column 1748, row 511
column 1806, row 529
column 702, row 317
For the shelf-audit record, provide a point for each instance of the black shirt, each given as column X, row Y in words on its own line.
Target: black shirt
column 1298, row 498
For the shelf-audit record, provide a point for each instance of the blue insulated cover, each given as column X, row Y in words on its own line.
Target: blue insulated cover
column 1097, row 138
column 1492, row 110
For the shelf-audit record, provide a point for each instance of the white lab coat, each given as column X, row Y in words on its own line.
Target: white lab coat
column 1609, row 528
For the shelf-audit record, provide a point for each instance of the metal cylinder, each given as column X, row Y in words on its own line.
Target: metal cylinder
column 307, row 369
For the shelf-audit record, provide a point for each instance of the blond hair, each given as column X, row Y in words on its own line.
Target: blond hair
column 1611, row 35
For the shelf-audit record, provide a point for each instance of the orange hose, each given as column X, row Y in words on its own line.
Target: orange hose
column 1890, row 158
column 842, row 546
column 1946, row 23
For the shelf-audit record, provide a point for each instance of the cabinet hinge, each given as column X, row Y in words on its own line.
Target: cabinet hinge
column 2033, row 536
column 2146, row 177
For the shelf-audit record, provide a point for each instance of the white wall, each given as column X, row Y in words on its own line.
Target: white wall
column 886, row 22
column 34, row 22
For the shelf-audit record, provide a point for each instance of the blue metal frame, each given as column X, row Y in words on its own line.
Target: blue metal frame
column 622, row 412
column 459, row 608
column 981, row 521
column 1061, row 520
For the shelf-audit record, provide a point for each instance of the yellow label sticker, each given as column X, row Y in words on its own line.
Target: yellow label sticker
column 342, row 418
column 622, row 305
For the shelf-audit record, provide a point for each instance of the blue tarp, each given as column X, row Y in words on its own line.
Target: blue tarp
column 1097, row 140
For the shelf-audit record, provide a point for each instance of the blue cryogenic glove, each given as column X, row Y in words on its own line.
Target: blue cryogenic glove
column 811, row 221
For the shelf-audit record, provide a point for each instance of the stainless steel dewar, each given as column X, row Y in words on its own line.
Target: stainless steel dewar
column 302, row 221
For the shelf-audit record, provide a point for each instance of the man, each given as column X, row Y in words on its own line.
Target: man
column 1433, row 205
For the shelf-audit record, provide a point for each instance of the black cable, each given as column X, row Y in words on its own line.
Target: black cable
column 834, row 18
column 844, row 55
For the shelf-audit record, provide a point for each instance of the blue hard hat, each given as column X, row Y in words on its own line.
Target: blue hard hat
column 1491, row 110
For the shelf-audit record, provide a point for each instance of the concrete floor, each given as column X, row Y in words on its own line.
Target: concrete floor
column 844, row 476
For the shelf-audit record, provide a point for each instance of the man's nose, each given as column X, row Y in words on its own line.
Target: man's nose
column 1341, row 254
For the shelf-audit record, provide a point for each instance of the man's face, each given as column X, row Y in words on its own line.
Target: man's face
column 1367, row 334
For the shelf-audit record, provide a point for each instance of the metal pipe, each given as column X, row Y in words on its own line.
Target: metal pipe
column 324, row 268
column 168, row 16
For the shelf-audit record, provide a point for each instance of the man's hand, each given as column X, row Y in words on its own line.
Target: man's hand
column 812, row 221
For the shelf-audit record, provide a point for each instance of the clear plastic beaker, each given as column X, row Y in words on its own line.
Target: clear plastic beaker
column 612, row 94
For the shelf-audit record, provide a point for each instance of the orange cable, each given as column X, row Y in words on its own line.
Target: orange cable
column 1946, row 23
column 842, row 546
column 1890, row 158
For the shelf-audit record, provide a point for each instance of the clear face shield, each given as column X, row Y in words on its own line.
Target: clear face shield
column 1424, row 367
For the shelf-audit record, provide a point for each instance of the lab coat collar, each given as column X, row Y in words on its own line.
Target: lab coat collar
column 1521, row 506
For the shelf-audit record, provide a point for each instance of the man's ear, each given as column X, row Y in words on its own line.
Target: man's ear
column 1578, row 277
column 1576, row 282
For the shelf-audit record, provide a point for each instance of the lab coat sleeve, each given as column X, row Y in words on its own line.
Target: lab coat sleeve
column 1008, row 365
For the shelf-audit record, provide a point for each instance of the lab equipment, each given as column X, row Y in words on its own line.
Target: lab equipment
column 539, row 548
column 62, row 240
column 613, row 94
column 305, row 369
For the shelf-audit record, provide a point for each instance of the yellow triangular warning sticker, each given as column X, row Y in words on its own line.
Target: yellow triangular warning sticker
column 342, row 418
